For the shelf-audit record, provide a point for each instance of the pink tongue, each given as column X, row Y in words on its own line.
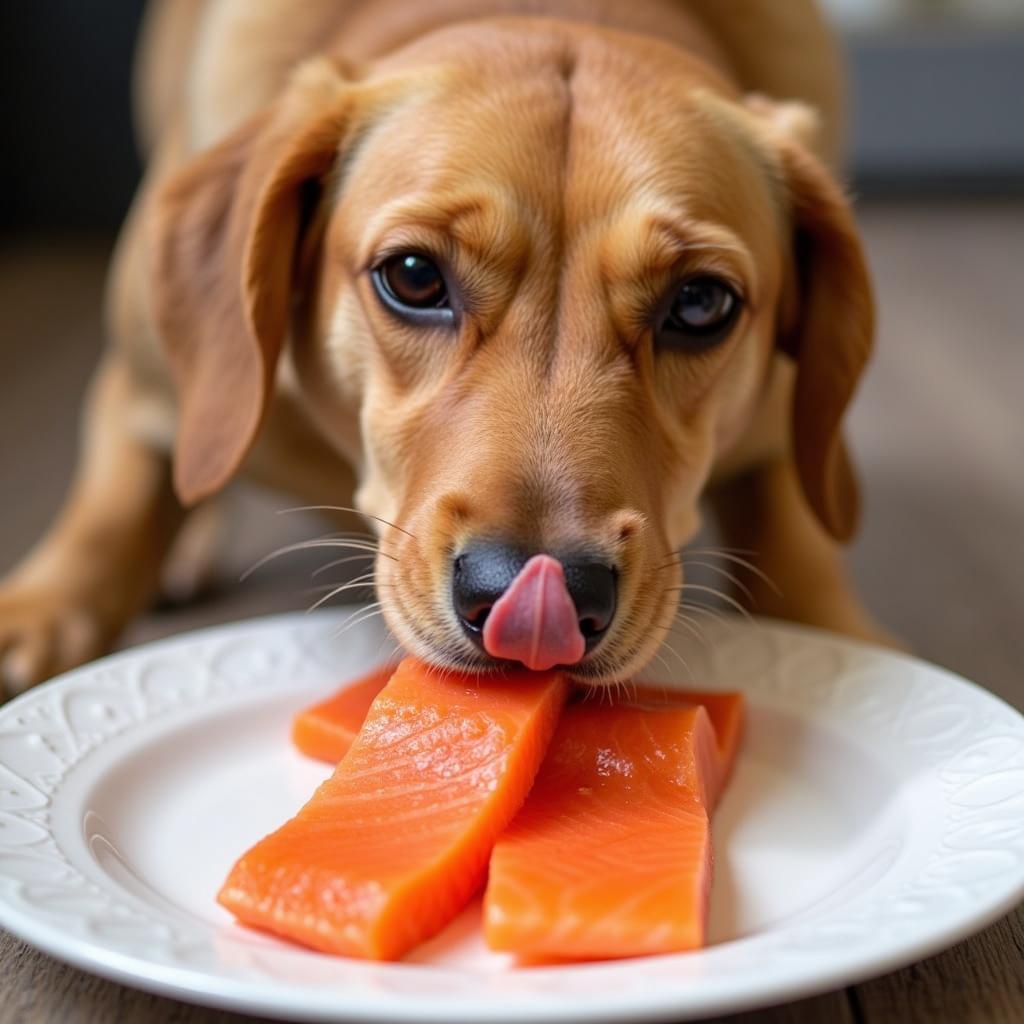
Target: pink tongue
column 535, row 621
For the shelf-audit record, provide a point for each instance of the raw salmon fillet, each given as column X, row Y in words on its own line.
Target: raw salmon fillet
column 393, row 845
column 611, row 854
column 725, row 708
column 326, row 730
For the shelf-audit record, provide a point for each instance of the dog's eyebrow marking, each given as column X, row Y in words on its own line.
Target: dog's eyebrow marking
column 689, row 236
column 473, row 220
column 661, row 239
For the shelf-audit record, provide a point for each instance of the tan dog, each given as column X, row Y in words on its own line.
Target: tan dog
column 524, row 279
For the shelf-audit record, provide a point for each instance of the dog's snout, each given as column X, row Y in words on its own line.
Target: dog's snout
column 536, row 609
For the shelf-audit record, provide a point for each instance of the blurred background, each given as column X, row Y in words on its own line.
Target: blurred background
column 936, row 164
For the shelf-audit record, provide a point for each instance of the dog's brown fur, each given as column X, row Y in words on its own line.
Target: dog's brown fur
column 569, row 159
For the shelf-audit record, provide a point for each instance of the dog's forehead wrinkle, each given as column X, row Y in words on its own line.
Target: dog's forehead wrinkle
column 660, row 232
column 568, row 67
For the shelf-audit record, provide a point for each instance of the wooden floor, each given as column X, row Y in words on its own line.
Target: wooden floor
column 939, row 435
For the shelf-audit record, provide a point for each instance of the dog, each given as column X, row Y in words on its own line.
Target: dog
column 518, row 282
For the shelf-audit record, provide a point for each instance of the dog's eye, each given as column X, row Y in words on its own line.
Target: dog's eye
column 413, row 286
column 414, row 281
column 701, row 313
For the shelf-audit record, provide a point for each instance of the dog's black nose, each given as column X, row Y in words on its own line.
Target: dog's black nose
column 593, row 587
column 483, row 572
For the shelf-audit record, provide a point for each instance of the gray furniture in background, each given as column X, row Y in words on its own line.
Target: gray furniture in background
column 938, row 86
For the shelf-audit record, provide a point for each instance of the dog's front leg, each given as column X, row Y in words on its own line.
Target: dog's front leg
column 100, row 561
column 763, row 512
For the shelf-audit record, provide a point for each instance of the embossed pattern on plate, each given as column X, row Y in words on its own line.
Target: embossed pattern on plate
column 910, row 834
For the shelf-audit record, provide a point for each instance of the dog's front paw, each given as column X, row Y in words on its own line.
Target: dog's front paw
column 42, row 632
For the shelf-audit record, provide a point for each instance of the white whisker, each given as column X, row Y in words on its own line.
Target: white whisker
column 396, row 647
column 306, row 545
column 714, row 550
column 361, row 615
column 322, row 588
column 704, row 609
column 665, row 664
column 730, row 557
column 671, row 650
column 712, row 613
column 690, row 626
column 337, row 562
column 354, row 585
column 344, row 508
column 731, row 576
column 729, row 600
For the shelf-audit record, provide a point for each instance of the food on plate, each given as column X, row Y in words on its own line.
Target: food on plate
column 610, row 855
column 725, row 708
column 395, row 843
column 326, row 730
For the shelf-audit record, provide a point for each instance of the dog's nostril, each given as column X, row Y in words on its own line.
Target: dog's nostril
column 480, row 575
column 593, row 587
column 475, row 620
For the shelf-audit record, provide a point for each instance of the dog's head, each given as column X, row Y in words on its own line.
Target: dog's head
column 532, row 278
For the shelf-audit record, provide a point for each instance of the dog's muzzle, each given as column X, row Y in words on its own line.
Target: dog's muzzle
column 536, row 609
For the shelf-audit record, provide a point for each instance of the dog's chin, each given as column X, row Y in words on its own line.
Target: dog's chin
column 618, row 665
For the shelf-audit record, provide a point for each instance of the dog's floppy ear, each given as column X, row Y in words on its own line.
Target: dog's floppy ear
column 829, row 326
column 224, row 235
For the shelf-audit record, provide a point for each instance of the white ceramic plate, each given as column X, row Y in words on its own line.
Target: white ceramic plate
column 876, row 816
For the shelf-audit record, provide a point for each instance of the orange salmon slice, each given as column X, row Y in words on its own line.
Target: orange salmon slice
column 727, row 710
column 396, row 842
column 326, row 730
column 610, row 855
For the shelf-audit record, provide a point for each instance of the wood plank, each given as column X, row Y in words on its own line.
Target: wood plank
column 35, row 989
column 831, row 1008
column 980, row 981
